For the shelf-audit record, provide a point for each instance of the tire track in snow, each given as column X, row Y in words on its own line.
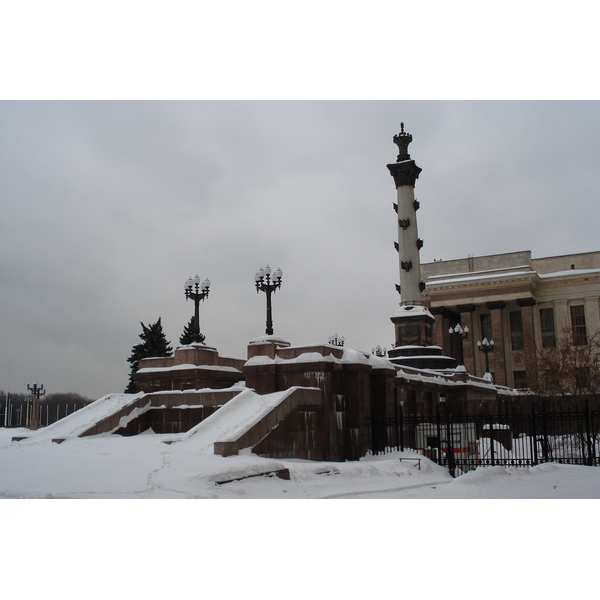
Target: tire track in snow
column 430, row 484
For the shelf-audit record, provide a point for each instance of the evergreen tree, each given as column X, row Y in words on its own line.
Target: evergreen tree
column 187, row 337
column 154, row 343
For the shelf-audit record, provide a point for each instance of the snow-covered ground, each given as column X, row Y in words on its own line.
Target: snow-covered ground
column 110, row 466
column 294, row 549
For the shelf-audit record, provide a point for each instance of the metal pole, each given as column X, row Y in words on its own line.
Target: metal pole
column 491, row 439
column 451, row 457
column 396, row 418
column 546, row 445
column 269, row 330
column 533, row 437
column 588, row 436
column 439, row 434
column 196, row 334
column 401, row 426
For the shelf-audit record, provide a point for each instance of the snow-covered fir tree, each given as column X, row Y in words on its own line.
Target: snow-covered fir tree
column 154, row 343
column 187, row 337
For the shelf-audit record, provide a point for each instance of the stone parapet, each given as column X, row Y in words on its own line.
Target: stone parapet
column 262, row 427
column 193, row 367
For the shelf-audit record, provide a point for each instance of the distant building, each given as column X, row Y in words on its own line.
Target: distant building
column 524, row 304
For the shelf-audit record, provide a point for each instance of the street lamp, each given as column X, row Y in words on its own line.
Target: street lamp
column 486, row 347
column 459, row 334
column 37, row 391
column 269, row 285
column 335, row 340
column 196, row 292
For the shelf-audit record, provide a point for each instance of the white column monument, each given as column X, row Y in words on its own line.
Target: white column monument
column 413, row 322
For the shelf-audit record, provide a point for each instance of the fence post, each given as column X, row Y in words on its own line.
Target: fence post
column 396, row 419
column 492, row 440
column 400, row 425
column 545, row 444
column 588, row 436
column 451, row 457
column 534, row 459
column 440, row 460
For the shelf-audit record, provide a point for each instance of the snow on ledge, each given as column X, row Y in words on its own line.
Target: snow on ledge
column 412, row 310
column 349, row 357
column 186, row 366
column 268, row 339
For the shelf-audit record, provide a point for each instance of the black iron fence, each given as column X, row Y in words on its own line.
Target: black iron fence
column 512, row 439
column 17, row 414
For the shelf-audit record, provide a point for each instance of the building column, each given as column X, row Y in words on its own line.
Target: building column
column 466, row 319
column 592, row 316
column 438, row 330
column 527, row 305
column 562, row 319
column 405, row 173
column 441, row 325
column 498, row 356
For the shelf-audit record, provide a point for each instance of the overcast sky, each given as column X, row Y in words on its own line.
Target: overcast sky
column 108, row 207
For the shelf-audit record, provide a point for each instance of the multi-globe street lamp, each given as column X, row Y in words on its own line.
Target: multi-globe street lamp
column 459, row 334
column 486, row 347
column 37, row 391
column 269, row 285
column 196, row 292
column 336, row 340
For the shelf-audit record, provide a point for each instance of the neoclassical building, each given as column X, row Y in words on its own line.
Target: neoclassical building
column 524, row 304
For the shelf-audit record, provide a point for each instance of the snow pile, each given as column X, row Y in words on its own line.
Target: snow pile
column 80, row 421
column 550, row 480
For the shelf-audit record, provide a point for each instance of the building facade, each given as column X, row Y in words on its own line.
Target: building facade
column 525, row 305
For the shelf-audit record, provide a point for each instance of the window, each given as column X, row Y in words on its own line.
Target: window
column 578, row 327
column 520, row 379
column 547, row 326
column 516, row 329
column 486, row 326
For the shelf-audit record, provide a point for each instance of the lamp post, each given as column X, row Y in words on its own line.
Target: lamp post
column 459, row 334
column 486, row 347
column 37, row 391
column 269, row 285
column 196, row 292
column 335, row 340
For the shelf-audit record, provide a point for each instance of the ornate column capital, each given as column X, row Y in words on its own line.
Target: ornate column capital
column 526, row 302
column 463, row 308
column 498, row 305
column 404, row 173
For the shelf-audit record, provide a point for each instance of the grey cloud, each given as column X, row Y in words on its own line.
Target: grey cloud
column 107, row 207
